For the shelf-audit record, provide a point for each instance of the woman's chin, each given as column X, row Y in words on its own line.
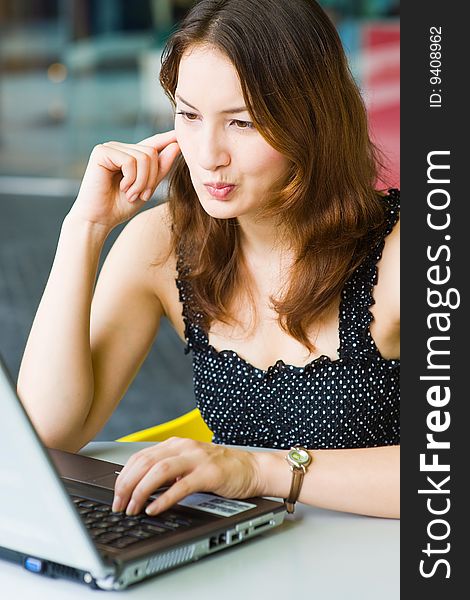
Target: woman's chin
column 219, row 209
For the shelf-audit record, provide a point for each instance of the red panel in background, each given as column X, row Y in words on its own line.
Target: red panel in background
column 381, row 84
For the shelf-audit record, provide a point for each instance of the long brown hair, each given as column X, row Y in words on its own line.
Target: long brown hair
column 303, row 100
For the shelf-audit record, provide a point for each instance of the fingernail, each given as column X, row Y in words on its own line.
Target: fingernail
column 131, row 508
column 117, row 504
column 151, row 510
column 133, row 197
column 146, row 195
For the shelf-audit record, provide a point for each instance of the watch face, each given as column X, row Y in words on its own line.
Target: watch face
column 299, row 456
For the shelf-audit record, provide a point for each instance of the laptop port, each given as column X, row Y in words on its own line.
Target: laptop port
column 213, row 542
column 35, row 565
column 261, row 525
column 217, row 540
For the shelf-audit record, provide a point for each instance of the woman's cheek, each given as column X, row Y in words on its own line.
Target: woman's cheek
column 184, row 145
column 273, row 157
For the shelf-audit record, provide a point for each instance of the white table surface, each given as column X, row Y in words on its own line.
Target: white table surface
column 315, row 554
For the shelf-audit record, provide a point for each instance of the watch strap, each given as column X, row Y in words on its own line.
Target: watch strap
column 296, row 485
column 298, row 459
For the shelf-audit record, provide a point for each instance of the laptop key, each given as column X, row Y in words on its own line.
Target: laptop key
column 173, row 524
column 152, row 521
column 182, row 522
column 128, row 523
column 87, row 504
column 95, row 532
column 93, row 516
column 114, row 518
column 140, row 533
column 154, row 529
column 84, row 511
column 118, row 529
column 104, row 538
column 124, row 542
column 168, row 525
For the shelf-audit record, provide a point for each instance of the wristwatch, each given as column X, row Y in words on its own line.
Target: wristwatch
column 298, row 459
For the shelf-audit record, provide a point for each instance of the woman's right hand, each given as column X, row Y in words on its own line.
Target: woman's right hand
column 120, row 177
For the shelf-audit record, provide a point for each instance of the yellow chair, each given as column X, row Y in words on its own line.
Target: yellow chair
column 190, row 425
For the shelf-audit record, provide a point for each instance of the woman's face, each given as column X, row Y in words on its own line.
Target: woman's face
column 217, row 137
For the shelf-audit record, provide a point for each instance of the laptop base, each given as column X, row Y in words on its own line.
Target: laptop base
column 47, row 568
column 145, row 567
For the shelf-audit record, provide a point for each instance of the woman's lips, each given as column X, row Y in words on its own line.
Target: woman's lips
column 220, row 192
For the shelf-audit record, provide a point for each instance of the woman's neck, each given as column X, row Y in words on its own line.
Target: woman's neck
column 261, row 238
column 267, row 261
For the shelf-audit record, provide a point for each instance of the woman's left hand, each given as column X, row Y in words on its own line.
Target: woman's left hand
column 186, row 466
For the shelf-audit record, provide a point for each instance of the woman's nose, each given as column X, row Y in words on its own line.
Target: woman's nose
column 213, row 150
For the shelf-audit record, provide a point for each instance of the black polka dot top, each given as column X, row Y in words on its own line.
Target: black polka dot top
column 351, row 402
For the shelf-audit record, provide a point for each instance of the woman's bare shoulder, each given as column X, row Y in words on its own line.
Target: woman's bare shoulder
column 152, row 237
column 151, row 231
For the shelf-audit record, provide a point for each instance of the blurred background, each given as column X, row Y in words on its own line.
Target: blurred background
column 75, row 73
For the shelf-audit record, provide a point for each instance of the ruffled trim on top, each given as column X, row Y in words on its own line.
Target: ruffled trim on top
column 190, row 318
column 197, row 339
column 355, row 314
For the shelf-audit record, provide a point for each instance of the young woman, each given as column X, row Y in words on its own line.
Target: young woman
column 275, row 259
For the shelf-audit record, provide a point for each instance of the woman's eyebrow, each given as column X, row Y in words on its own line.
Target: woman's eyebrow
column 229, row 110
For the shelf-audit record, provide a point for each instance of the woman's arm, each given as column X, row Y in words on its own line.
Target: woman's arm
column 55, row 381
column 363, row 481
column 82, row 354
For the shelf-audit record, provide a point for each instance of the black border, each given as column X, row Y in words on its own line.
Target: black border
column 425, row 129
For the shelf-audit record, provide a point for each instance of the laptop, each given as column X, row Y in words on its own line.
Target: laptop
column 56, row 518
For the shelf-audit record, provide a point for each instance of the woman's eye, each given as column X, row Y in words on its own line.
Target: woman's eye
column 239, row 124
column 244, row 124
column 187, row 115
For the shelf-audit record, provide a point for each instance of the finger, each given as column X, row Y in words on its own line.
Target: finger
column 141, row 462
column 160, row 140
column 114, row 159
column 133, row 471
column 166, row 158
column 180, row 489
column 163, row 472
column 137, row 466
column 152, row 176
column 133, row 189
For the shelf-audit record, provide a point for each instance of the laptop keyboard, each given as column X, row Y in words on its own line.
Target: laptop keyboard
column 120, row 531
